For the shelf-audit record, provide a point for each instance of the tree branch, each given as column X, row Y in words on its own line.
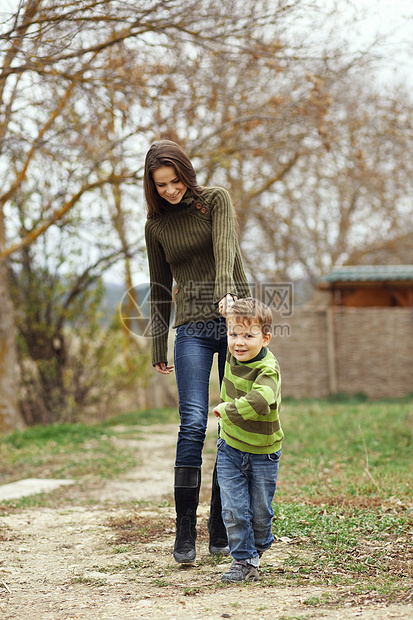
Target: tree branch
column 22, row 174
column 57, row 215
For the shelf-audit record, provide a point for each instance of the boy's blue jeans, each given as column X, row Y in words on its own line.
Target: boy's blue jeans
column 247, row 483
column 195, row 346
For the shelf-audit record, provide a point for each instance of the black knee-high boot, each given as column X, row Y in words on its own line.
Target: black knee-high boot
column 218, row 540
column 186, row 486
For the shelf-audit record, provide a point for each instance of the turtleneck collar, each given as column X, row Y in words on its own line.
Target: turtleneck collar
column 257, row 358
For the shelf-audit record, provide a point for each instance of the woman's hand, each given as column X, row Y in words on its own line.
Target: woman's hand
column 163, row 368
column 216, row 411
column 226, row 303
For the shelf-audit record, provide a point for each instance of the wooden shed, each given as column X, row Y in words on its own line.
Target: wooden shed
column 363, row 286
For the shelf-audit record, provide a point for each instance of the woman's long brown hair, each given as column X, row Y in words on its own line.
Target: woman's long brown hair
column 167, row 153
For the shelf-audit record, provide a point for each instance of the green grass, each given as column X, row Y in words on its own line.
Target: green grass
column 344, row 504
column 357, row 538
column 353, row 448
column 368, row 550
column 145, row 417
column 76, row 451
column 343, row 508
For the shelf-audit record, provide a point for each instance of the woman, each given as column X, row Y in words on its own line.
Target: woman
column 191, row 241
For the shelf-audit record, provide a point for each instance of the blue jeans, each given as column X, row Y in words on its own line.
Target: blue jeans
column 195, row 346
column 247, row 483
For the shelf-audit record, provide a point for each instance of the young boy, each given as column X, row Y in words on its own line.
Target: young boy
column 249, row 444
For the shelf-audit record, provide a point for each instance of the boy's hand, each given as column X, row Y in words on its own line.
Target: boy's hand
column 216, row 411
column 225, row 304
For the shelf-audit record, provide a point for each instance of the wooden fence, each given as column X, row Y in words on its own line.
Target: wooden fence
column 324, row 351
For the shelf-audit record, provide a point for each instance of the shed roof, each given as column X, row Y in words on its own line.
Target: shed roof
column 369, row 273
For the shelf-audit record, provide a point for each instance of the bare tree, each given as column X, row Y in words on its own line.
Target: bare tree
column 63, row 67
column 266, row 106
column 349, row 189
column 313, row 157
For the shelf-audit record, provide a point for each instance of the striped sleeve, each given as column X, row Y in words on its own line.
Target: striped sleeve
column 261, row 400
column 161, row 295
column 251, row 395
column 224, row 243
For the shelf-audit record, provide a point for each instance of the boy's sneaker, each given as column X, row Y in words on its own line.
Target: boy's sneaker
column 240, row 570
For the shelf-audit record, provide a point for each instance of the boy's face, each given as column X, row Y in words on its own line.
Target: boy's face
column 245, row 340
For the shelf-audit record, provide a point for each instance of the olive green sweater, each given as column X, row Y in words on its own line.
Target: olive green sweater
column 251, row 395
column 194, row 244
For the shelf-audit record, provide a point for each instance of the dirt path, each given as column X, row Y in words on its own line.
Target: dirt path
column 102, row 557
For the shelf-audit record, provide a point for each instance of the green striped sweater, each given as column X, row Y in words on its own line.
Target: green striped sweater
column 251, row 395
column 194, row 244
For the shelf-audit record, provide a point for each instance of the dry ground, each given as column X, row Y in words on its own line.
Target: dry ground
column 106, row 554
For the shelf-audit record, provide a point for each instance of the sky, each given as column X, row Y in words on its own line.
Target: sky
column 392, row 19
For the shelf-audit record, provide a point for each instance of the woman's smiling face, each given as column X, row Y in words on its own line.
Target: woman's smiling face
column 168, row 184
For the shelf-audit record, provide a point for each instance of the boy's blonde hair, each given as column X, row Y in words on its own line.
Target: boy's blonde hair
column 249, row 310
